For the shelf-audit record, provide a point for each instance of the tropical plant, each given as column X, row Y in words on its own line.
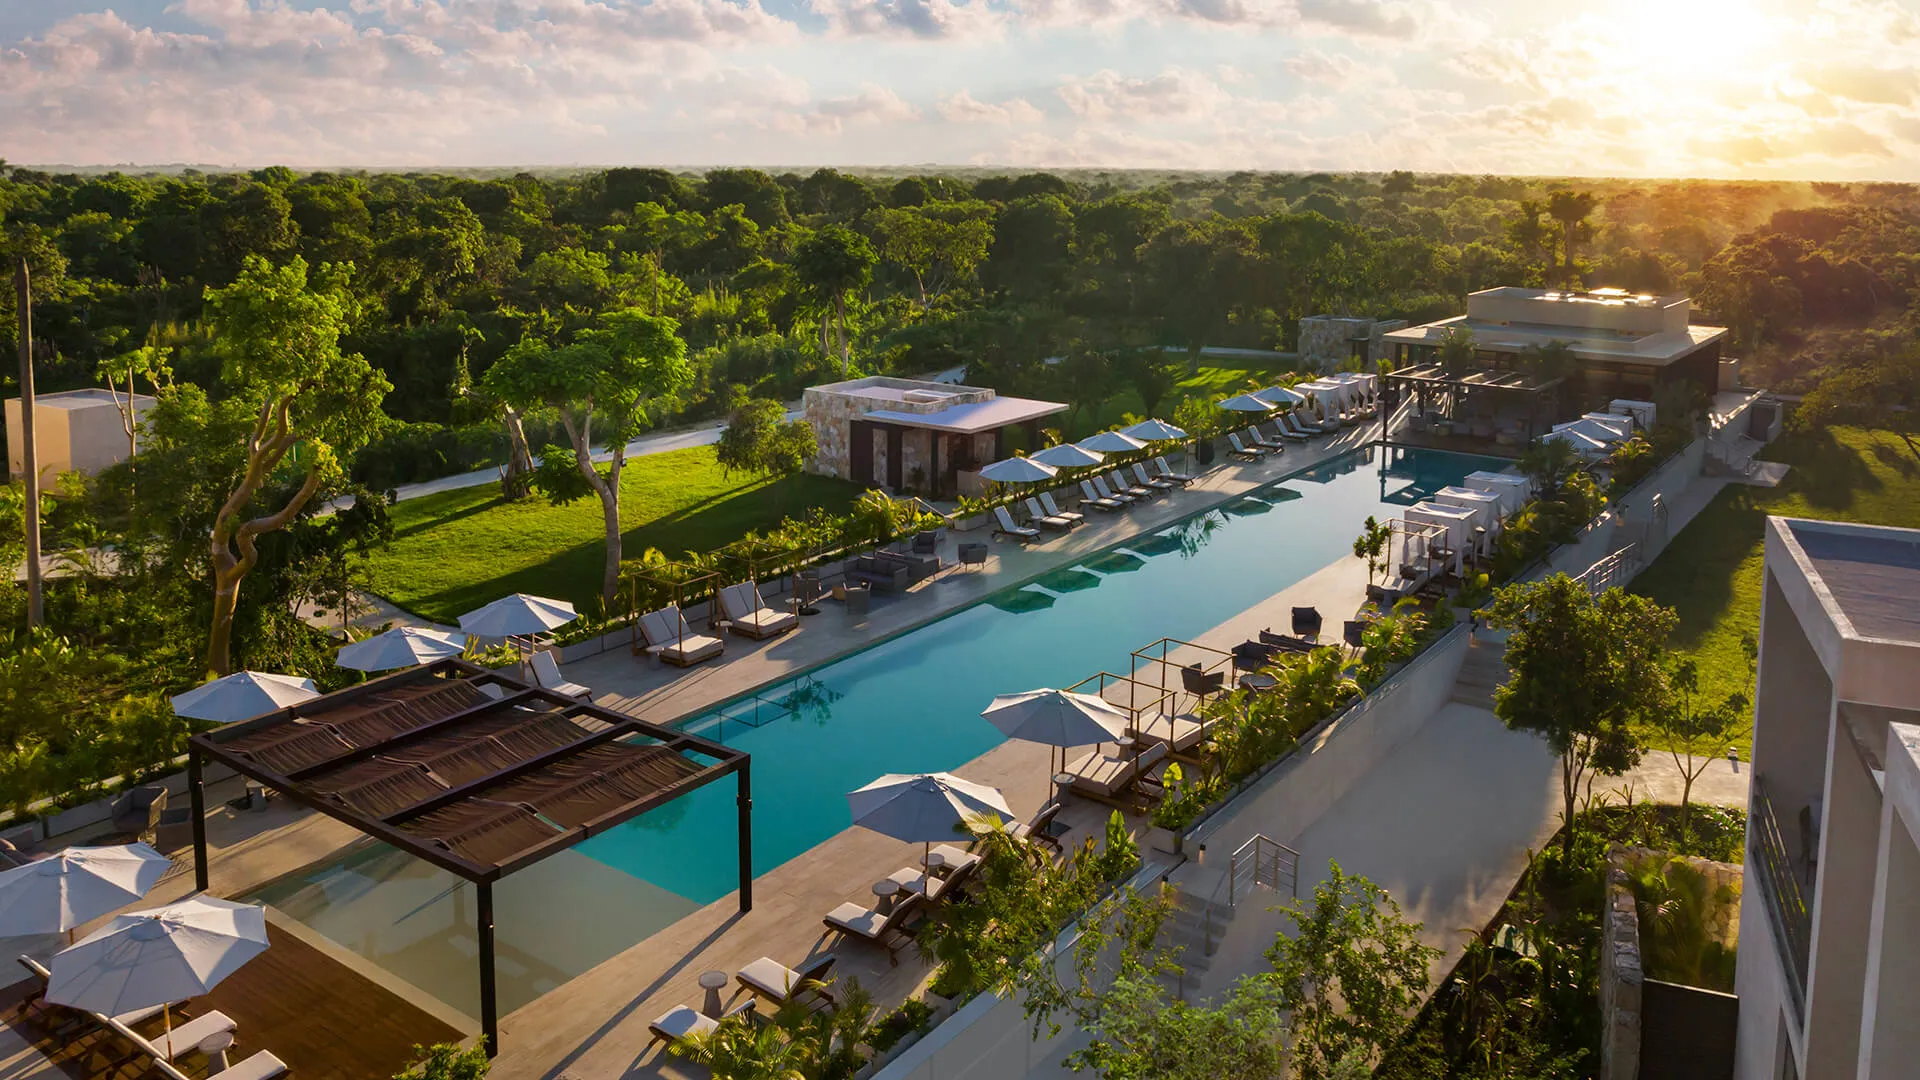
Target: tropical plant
column 1371, row 545
column 446, row 1061
column 1119, row 855
column 1550, row 464
column 1456, row 351
column 1684, row 921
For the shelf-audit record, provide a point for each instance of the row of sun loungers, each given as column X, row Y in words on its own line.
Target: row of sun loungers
column 157, row 1053
column 1109, row 491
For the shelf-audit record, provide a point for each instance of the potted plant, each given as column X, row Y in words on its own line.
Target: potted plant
column 1185, row 799
column 971, row 514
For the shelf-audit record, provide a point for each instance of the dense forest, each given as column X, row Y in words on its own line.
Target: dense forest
column 337, row 333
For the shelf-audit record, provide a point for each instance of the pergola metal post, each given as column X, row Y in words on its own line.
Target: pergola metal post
column 489, row 998
column 197, row 797
column 746, row 836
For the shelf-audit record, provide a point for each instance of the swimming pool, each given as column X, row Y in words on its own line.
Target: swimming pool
column 910, row 704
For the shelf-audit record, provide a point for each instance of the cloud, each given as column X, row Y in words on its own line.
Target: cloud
column 928, row 20
column 1363, row 18
column 1332, row 69
column 1874, row 85
column 872, row 105
column 962, row 108
column 1173, row 94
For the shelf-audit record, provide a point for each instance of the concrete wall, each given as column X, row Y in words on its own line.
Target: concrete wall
column 991, row 1039
column 1509, row 305
column 1890, row 1039
column 75, row 430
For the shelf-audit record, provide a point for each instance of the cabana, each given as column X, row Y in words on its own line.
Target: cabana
column 1615, row 422
column 1362, row 388
column 473, row 772
column 1643, row 412
column 1514, row 490
column 1412, row 548
column 1458, row 524
column 1485, row 504
column 1327, row 399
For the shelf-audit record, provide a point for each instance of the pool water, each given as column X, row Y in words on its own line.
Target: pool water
column 910, row 704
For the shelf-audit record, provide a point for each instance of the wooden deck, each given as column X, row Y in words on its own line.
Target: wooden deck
column 324, row 1020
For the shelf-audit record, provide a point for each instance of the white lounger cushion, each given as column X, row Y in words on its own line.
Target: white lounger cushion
column 547, row 674
column 1102, row 774
column 776, row 980
column 186, row 1038
column 261, row 1065
column 857, row 920
column 1180, row 732
column 682, row 1022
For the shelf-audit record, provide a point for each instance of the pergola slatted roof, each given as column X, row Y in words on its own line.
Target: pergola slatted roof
column 1488, row 378
column 472, row 771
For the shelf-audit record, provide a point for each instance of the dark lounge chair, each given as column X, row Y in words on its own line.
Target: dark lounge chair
column 973, row 554
column 137, row 811
column 1201, row 683
column 1285, row 643
column 1306, row 622
column 883, row 575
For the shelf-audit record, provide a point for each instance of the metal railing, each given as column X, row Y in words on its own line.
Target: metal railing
column 1779, row 883
column 1262, row 862
column 1618, row 568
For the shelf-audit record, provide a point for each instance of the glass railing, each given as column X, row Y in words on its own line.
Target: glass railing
column 1779, row 880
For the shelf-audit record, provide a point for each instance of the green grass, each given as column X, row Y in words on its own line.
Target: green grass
column 457, row 550
column 1215, row 380
column 1711, row 574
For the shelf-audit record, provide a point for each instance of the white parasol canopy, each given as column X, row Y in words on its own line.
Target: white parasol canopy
column 923, row 808
column 517, row 615
column 402, row 646
column 159, row 956
column 1057, row 718
column 1280, row 395
column 1153, row 431
column 66, row 889
column 1067, row 456
column 1017, row 470
column 1249, row 403
column 243, row 695
column 1111, row 442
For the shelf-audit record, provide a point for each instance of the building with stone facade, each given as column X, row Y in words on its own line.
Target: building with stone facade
column 1328, row 341
column 73, row 431
column 906, row 434
column 1829, row 963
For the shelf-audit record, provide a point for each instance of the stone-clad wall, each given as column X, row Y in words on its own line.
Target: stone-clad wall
column 831, row 410
column 1326, row 341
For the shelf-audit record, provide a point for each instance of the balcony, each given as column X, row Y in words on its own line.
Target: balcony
column 1784, row 881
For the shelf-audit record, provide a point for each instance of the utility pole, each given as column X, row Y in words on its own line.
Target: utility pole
column 29, row 457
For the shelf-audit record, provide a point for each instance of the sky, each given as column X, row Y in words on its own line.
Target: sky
column 1766, row 89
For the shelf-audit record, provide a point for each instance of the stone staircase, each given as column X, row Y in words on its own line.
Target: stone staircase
column 1195, row 928
column 1483, row 671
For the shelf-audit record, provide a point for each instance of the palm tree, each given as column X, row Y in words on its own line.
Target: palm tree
column 1571, row 209
column 1550, row 464
column 1456, row 351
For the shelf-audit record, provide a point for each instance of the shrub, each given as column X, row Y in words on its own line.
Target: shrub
column 411, row 453
column 911, row 1016
column 446, row 1061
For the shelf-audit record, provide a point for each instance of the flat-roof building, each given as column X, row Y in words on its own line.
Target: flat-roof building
column 1626, row 344
column 1829, row 961
column 73, row 431
column 900, row 433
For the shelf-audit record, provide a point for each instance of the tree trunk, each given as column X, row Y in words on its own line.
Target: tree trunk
column 1569, row 791
column 608, row 489
column 840, row 317
column 264, row 453
column 515, row 482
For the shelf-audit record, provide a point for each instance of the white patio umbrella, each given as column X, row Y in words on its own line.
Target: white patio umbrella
column 243, row 695
column 1280, row 395
column 1247, row 403
column 924, row 807
column 158, row 956
column 402, row 646
column 1153, row 431
column 1017, row 470
column 1057, row 718
column 1067, row 456
column 55, row 894
column 517, row 615
column 1111, row 442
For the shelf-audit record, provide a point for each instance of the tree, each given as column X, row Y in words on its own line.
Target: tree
column 833, row 263
column 760, row 440
column 122, row 373
column 1533, row 238
column 1882, row 392
column 1349, row 975
column 1086, row 377
column 1371, row 545
column 1553, row 360
column 1456, row 351
column 1150, row 376
column 278, row 332
column 1571, row 209
column 1696, row 733
column 446, row 1061
column 934, row 244
column 1586, row 671
column 613, row 374
column 1550, row 464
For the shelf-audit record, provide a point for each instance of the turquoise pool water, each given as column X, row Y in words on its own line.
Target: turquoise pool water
column 912, row 704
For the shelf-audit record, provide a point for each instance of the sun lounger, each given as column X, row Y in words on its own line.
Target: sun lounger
column 1053, row 509
column 746, row 613
column 673, row 1026
column 1285, row 432
column 1036, row 514
column 1167, row 473
column 669, row 637
column 1180, row 734
column 1294, row 422
column 1156, row 483
column 1259, row 438
column 952, row 859
column 547, row 674
column 184, row 1039
column 776, row 982
column 1008, row 528
column 259, row 1065
column 1121, row 496
column 1113, row 779
column 1093, row 498
column 886, row 930
column 1124, row 486
column 1240, row 449
column 1039, row 830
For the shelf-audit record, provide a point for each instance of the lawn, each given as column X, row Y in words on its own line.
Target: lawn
column 1712, row 571
column 1216, row 379
column 457, row 550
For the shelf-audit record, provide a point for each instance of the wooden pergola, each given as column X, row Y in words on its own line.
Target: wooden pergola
column 1433, row 380
column 472, row 771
